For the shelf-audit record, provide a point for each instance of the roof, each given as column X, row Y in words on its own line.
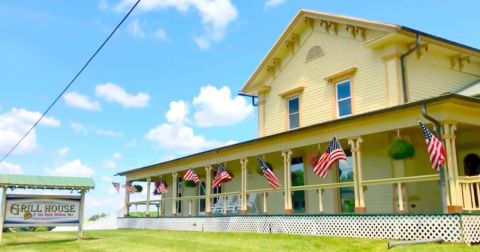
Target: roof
column 383, row 26
column 473, row 89
column 46, row 182
column 319, row 125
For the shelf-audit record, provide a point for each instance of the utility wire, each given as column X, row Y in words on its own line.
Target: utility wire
column 70, row 83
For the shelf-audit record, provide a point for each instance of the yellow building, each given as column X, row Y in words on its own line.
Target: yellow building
column 366, row 82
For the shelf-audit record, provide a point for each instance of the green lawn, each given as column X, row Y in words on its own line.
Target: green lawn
column 150, row 240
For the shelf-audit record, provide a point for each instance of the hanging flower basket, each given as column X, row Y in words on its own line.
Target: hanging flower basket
column 313, row 159
column 259, row 170
column 189, row 183
column 401, row 149
column 139, row 188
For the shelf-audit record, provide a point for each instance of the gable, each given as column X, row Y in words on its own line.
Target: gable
column 316, row 78
column 375, row 35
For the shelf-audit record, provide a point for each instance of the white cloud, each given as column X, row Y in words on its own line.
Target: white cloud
column 73, row 168
column 79, row 128
column 216, row 15
column 160, row 34
column 114, row 93
column 135, row 29
column 15, row 123
column 273, row 3
column 62, row 151
column 77, row 100
column 9, row 168
column 109, row 133
column 179, row 138
column 82, row 129
column 217, row 107
column 178, row 112
column 113, row 161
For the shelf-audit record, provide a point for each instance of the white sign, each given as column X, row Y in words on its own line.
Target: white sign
column 41, row 210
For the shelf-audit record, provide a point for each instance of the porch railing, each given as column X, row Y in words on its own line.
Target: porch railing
column 470, row 192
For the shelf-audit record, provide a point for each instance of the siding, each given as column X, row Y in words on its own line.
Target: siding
column 431, row 75
column 317, row 104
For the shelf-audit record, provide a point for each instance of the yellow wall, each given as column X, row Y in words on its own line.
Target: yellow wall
column 431, row 75
column 317, row 102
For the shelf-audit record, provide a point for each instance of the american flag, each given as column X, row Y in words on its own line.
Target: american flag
column 162, row 188
column 221, row 176
column 435, row 148
column 333, row 153
column 269, row 175
column 116, row 186
column 192, row 176
column 130, row 188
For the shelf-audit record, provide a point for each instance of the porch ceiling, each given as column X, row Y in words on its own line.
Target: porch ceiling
column 446, row 108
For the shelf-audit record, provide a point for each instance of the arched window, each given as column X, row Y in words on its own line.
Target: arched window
column 471, row 164
column 313, row 53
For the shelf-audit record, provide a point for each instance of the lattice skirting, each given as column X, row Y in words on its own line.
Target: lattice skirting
column 449, row 227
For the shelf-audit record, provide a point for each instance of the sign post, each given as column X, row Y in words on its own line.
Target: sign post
column 27, row 210
column 3, row 211
column 80, row 218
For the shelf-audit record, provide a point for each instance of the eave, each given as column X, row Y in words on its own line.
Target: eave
column 292, row 133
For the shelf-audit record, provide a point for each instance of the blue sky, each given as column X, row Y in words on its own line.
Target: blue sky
column 164, row 86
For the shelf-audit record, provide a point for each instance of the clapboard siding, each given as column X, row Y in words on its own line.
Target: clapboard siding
column 317, row 103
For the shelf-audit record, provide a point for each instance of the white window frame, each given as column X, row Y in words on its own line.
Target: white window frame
column 343, row 99
column 288, row 111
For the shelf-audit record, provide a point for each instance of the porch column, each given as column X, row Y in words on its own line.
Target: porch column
column 208, row 188
column 243, row 186
column 126, row 209
column 357, row 174
column 147, row 202
column 287, row 157
column 456, row 204
column 174, row 193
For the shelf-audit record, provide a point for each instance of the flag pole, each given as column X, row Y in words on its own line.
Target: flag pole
column 438, row 133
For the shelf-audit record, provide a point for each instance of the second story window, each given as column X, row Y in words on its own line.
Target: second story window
column 293, row 112
column 344, row 98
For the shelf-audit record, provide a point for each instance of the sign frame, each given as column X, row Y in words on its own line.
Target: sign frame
column 45, row 199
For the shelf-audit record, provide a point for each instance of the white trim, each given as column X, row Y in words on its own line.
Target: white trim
column 343, row 99
column 288, row 111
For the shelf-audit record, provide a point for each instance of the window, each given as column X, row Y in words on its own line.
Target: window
column 297, row 177
column 179, row 194
column 293, row 112
column 344, row 99
column 201, row 202
column 347, row 198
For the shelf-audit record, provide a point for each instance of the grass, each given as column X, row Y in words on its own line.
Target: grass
column 153, row 240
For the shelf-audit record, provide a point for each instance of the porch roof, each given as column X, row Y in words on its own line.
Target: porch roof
column 46, row 182
column 341, row 121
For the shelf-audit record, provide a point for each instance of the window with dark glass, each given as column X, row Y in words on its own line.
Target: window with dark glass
column 297, row 176
column 179, row 194
column 347, row 198
column 344, row 99
column 293, row 113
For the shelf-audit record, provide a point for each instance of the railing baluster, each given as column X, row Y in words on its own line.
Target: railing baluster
column 401, row 209
column 477, row 196
column 264, row 202
column 320, row 200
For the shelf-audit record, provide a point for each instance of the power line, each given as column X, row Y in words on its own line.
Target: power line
column 70, row 83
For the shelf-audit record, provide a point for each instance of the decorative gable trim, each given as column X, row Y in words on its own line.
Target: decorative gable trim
column 340, row 76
